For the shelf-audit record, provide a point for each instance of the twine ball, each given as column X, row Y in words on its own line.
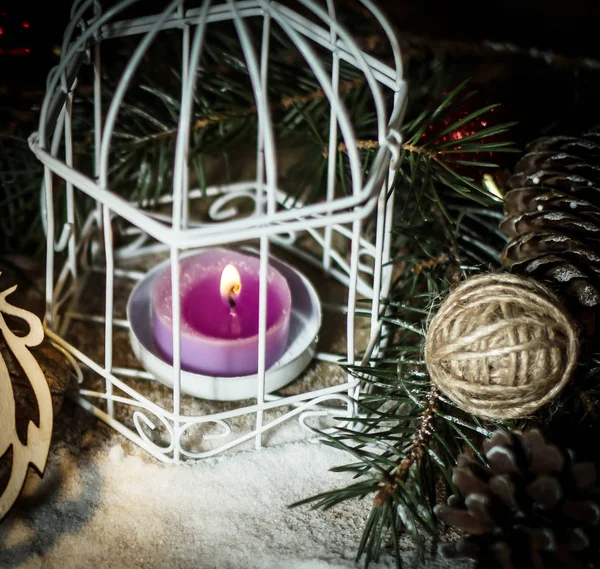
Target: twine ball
column 501, row 346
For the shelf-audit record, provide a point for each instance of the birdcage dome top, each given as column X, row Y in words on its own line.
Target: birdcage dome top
column 254, row 37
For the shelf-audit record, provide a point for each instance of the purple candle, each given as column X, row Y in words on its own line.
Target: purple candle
column 219, row 314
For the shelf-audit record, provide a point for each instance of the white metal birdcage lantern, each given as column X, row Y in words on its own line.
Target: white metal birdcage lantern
column 121, row 247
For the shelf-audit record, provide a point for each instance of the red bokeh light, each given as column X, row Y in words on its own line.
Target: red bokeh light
column 15, row 51
column 1, row 30
column 26, row 24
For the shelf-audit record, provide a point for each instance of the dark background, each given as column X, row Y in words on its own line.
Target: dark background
column 543, row 97
column 567, row 27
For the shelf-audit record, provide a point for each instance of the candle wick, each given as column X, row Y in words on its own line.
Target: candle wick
column 232, row 302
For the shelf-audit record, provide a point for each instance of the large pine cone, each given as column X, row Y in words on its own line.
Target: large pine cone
column 553, row 217
column 533, row 507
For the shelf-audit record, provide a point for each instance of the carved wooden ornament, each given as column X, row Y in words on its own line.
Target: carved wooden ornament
column 35, row 451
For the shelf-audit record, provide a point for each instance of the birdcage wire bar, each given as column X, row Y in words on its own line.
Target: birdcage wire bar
column 90, row 250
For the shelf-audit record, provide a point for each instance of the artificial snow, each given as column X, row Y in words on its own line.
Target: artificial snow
column 106, row 504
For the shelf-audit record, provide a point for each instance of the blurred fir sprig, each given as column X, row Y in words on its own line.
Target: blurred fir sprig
column 20, row 179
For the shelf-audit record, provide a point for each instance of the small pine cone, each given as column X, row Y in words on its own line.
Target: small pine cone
column 552, row 218
column 533, row 507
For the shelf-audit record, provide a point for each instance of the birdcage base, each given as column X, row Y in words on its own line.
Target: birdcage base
column 129, row 398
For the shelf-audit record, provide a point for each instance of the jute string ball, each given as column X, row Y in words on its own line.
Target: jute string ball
column 501, row 346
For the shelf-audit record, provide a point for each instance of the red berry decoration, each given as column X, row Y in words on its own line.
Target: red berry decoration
column 474, row 120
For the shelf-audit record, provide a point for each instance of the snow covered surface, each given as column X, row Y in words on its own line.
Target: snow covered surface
column 106, row 504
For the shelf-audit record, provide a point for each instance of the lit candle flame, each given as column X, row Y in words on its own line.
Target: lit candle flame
column 231, row 283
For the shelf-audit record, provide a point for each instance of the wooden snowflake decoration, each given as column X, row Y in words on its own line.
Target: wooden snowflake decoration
column 35, row 451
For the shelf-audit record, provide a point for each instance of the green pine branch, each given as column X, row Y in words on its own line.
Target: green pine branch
column 407, row 435
column 20, row 178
